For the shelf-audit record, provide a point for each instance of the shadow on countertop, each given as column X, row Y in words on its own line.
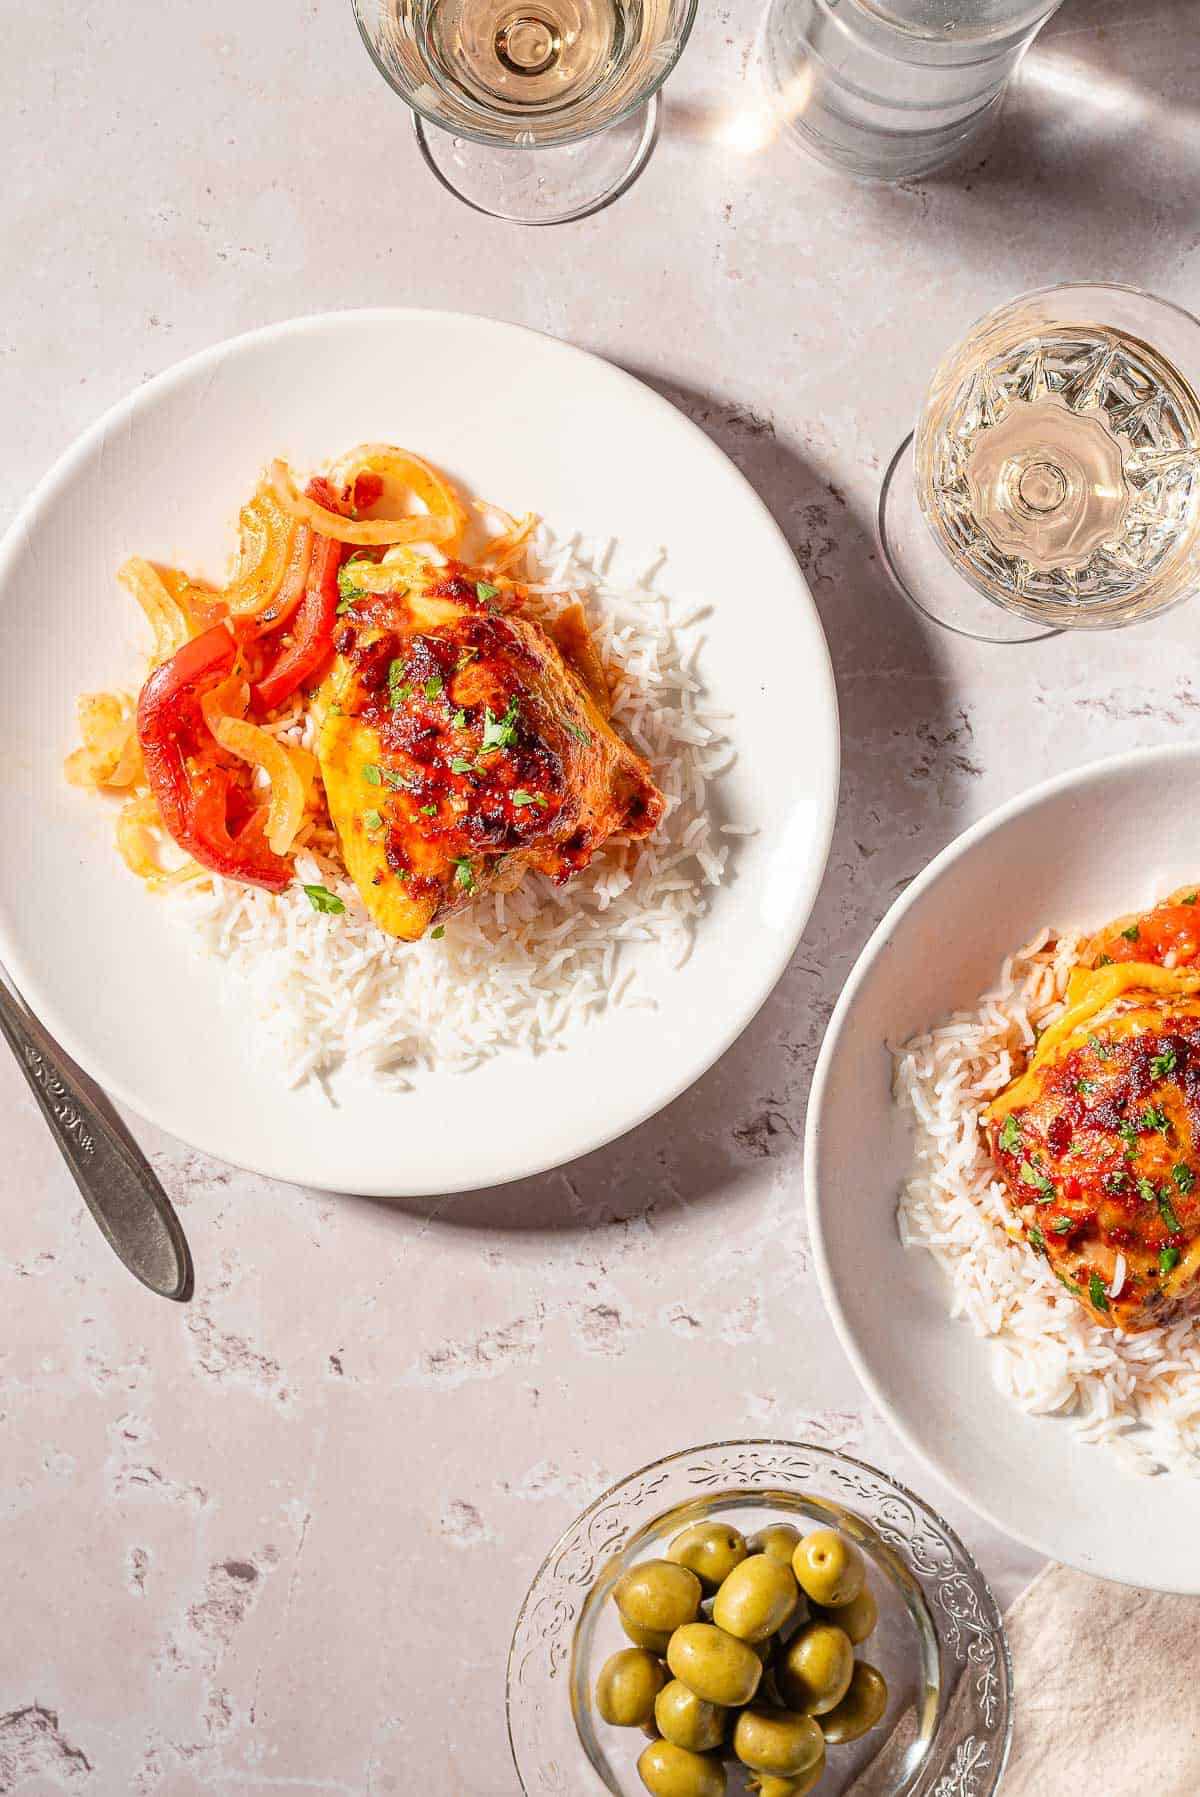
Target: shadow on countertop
column 1100, row 75
column 901, row 735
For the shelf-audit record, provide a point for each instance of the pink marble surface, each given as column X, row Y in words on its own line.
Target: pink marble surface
column 275, row 1542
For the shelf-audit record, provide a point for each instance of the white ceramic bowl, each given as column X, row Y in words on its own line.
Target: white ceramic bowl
column 524, row 420
column 1080, row 849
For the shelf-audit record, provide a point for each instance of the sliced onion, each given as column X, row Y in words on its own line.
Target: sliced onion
column 139, row 838
column 111, row 754
column 267, row 532
column 399, row 569
column 1118, row 1278
column 295, row 580
column 289, row 769
column 168, row 619
column 500, row 554
column 442, row 523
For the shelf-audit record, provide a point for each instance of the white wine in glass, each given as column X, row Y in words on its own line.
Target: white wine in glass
column 1053, row 481
column 544, row 111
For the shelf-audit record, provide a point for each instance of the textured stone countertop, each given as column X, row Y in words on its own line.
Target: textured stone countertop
column 275, row 1541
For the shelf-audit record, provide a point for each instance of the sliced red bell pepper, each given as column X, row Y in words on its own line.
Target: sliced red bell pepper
column 194, row 804
column 312, row 636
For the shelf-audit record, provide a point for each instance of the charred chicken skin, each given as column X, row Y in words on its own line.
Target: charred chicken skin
column 1098, row 1141
column 462, row 744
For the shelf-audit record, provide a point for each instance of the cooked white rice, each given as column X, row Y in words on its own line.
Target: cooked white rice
column 1138, row 1394
column 515, row 970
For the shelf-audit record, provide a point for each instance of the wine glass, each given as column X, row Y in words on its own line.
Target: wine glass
column 542, row 111
column 1053, row 480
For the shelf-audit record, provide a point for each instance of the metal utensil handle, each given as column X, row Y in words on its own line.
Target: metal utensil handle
column 118, row 1184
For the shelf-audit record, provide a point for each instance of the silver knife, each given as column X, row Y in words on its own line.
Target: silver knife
column 118, row 1184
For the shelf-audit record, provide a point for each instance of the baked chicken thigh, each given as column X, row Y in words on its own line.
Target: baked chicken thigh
column 462, row 744
column 1098, row 1141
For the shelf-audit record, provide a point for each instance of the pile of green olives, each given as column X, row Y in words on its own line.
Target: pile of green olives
column 743, row 1651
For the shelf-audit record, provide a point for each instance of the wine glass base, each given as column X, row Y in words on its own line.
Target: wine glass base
column 924, row 575
column 548, row 184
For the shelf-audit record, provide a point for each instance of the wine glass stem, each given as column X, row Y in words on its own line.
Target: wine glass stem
column 430, row 140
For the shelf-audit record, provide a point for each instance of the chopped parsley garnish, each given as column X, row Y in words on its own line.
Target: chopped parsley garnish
column 1062, row 1225
column 1162, row 1064
column 1154, row 1117
column 579, row 733
column 1166, row 1211
column 321, row 899
column 373, row 820
column 485, row 592
column 459, row 720
column 1102, row 1049
column 1116, row 1182
column 436, row 935
column 465, row 656
column 521, row 797
column 428, row 810
column 371, row 774
column 1184, row 1178
column 464, row 875
column 399, row 686
column 1038, row 1240
column 433, row 686
column 1131, row 934
column 1147, row 1191
column 1105, row 961
column 1096, row 1292
column 1190, row 899
column 461, row 764
column 1010, row 1136
column 1070, row 1284
column 400, row 782
column 1168, row 1260
column 1129, row 1135
column 346, row 586
column 1085, row 1087
column 1043, row 1186
column 499, row 733
column 345, row 607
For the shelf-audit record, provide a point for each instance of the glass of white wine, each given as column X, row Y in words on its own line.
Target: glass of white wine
column 1053, row 480
column 542, row 111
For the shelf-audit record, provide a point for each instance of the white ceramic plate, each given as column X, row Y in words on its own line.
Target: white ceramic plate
column 1080, row 849
column 527, row 421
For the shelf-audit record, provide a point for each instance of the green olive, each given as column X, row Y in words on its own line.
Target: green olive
column 815, row 1669
column 658, row 1595
column 628, row 1684
column 860, row 1709
column 670, row 1771
column 654, row 1640
column 779, row 1539
column 767, row 1784
column 756, row 1599
column 714, row 1665
column 858, row 1617
column 688, row 1720
column 782, row 1742
column 829, row 1569
column 709, row 1549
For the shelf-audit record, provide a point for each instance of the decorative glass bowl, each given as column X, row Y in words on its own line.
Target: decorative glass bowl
column 940, row 1641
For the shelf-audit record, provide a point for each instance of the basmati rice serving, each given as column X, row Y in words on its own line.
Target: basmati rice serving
column 1137, row 1394
column 517, row 969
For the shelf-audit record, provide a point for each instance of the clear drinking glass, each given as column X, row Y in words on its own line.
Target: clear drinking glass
column 892, row 88
column 1053, row 480
column 939, row 1641
column 544, row 110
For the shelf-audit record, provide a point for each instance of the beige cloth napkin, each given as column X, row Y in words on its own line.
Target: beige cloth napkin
column 1106, row 1692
